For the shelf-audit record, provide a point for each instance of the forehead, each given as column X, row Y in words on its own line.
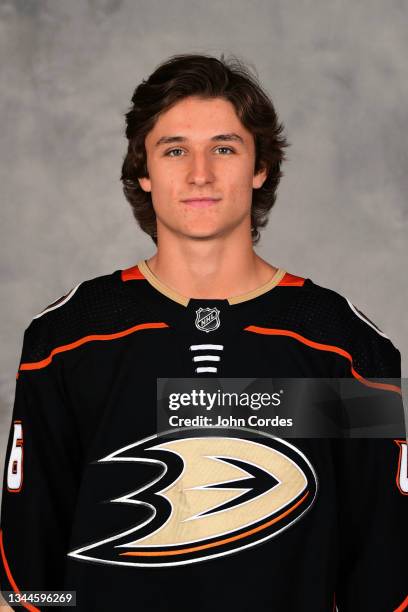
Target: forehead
column 198, row 118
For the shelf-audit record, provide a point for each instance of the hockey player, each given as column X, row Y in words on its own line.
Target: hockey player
column 97, row 500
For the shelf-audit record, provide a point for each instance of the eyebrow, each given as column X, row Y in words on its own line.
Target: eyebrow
column 217, row 138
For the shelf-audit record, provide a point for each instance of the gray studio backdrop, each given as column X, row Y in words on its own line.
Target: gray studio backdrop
column 337, row 73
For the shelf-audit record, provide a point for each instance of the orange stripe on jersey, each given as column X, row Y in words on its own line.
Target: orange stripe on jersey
column 132, row 273
column 36, row 365
column 239, row 536
column 403, row 606
column 291, row 280
column 26, row 605
column 322, row 347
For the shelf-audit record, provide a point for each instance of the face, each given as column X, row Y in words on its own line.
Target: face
column 200, row 149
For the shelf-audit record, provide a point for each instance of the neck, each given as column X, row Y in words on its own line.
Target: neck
column 210, row 269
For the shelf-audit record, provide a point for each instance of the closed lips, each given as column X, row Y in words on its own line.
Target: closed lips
column 201, row 202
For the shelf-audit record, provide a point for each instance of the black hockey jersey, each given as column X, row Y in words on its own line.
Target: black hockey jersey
column 97, row 500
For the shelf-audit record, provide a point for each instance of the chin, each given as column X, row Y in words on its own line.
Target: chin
column 210, row 232
column 201, row 235
column 200, row 231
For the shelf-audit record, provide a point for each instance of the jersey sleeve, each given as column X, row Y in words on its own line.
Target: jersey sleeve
column 372, row 483
column 41, row 473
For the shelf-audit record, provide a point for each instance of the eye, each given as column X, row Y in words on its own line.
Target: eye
column 226, row 149
column 172, row 151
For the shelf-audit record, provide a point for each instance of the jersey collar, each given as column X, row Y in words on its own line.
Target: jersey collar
column 184, row 300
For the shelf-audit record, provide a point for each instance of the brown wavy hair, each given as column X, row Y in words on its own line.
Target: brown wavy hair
column 206, row 77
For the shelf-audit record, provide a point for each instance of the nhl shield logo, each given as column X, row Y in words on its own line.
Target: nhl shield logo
column 207, row 319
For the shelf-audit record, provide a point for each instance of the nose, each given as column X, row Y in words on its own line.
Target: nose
column 200, row 170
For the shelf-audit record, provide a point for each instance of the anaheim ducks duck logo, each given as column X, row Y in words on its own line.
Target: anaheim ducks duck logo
column 214, row 496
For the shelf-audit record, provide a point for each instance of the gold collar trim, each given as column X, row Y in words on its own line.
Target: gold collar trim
column 184, row 300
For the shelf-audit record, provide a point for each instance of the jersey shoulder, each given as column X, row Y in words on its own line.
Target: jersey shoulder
column 105, row 304
column 331, row 318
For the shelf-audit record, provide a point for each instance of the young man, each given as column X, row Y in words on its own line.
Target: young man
column 97, row 499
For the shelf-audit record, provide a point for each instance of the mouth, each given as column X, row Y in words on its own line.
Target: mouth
column 201, row 202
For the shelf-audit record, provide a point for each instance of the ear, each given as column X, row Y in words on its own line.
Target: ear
column 259, row 178
column 145, row 183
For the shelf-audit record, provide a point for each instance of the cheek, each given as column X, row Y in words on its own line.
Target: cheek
column 240, row 190
column 163, row 186
column 240, row 178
